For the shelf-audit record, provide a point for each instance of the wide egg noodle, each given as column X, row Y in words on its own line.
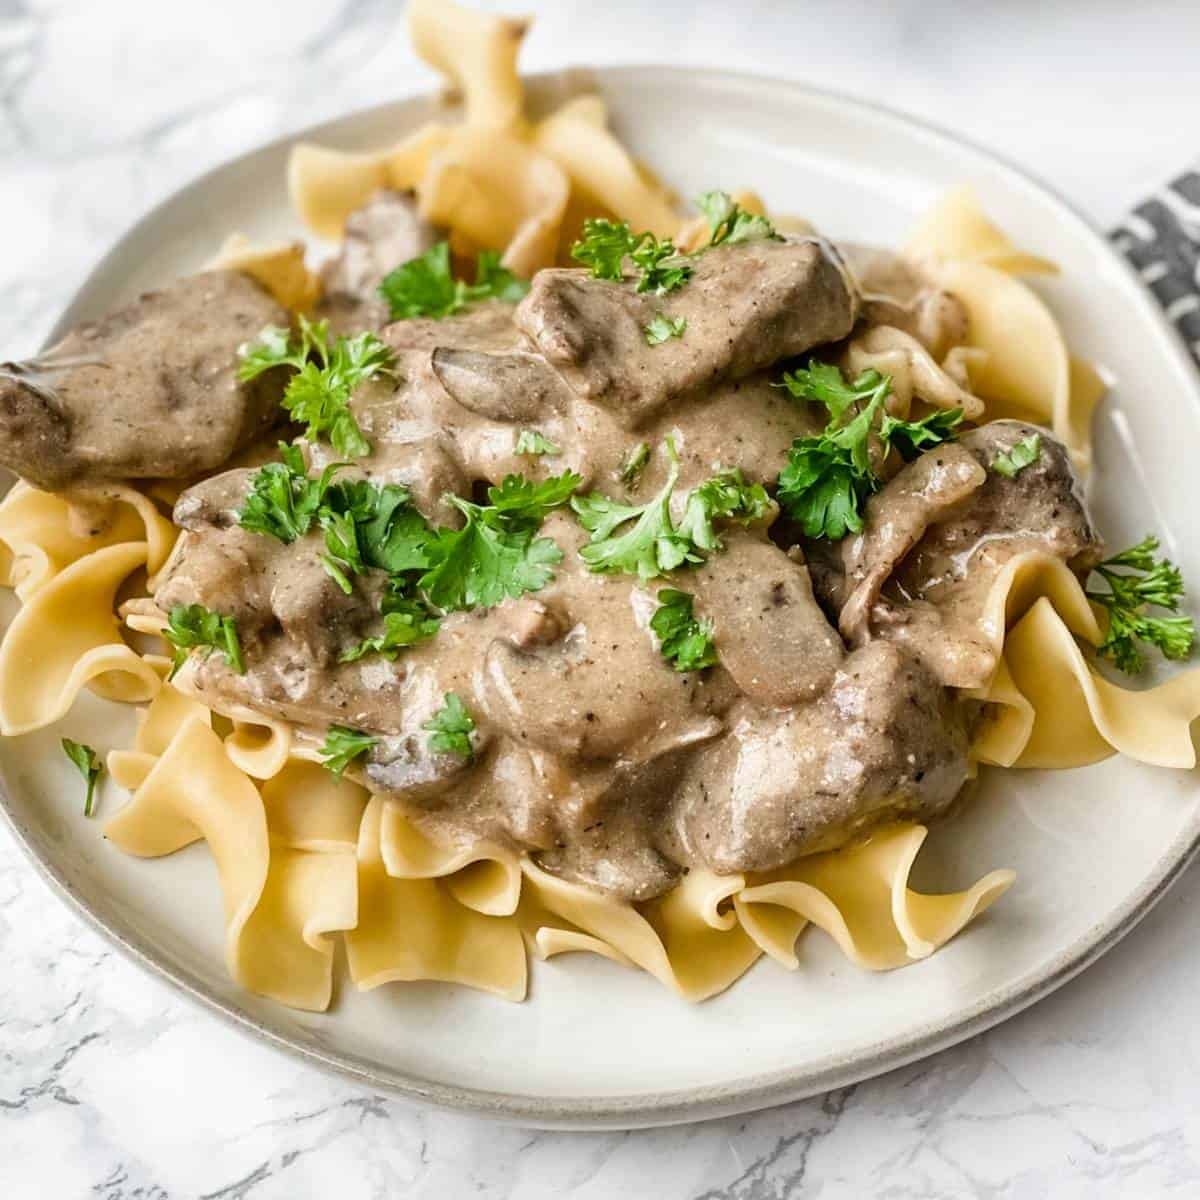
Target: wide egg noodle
column 279, row 267
column 311, row 890
column 683, row 939
column 492, row 189
column 477, row 52
column 67, row 637
column 327, row 185
column 860, row 897
column 44, row 532
column 483, row 876
column 1066, row 714
column 957, row 227
column 282, row 898
column 495, row 179
column 577, row 138
column 157, row 727
column 415, row 929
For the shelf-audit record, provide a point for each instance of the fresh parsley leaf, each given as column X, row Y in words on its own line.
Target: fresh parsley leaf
column 723, row 497
column 606, row 244
column 86, row 760
column 729, row 223
column 662, row 327
column 663, row 269
column 828, row 478
column 495, row 282
column 342, row 746
column 283, row 502
column 192, row 626
column 824, row 383
column 406, row 622
column 425, row 287
column 392, row 534
column 910, row 439
column 634, row 464
column 527, row 501
column 530, row 442
column 650, row 544
column 496, row 555
column 272, row 348
column 328, row 369
column 1137, row 580
column 1025, row 453
column 342, row 557
column 686, row 642
column 450, row 728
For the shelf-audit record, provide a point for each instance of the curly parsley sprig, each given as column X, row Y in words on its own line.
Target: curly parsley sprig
column 1137, row 580
column 605, row 246
column 685, row 641
column 328, row 368
column 643, row 539
column 193, row 627
column 828, row 478
column 728, row 222
column 425, row 286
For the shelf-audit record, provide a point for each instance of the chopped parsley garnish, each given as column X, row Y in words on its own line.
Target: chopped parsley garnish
column 1025, row 453
column 728, row 222
column 342, row 746
column 686, row 642
column 406, row 621
column 606, row 244
column 910, row 439
column 86, row 760
column 651, row 544
column 723, row 497
column 283, row 502
column 828, row 478
column 530, row 442
column 342, row 557
column 496, row 555
column 192, row 626
column 425, row 286
column 634, row 464
column 662, row 328
column 1138, row 581
column 328, row 369
column 450, row 728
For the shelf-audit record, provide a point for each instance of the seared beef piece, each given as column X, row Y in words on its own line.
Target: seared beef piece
column 772, row 637
column 934, row 597
column 747, row 306
column 883, row 743
column 386, row 232
column 149, row 391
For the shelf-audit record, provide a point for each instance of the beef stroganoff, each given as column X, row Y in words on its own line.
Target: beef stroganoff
column 557, row 569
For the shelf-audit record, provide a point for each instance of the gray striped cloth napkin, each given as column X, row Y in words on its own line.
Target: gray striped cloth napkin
column 1161, row 237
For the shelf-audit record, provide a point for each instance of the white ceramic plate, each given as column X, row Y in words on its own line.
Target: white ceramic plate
column 597, row 1045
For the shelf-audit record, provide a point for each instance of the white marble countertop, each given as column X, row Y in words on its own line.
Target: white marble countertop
column 113, row 1087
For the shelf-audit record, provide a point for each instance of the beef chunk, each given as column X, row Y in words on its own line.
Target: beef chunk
column 149, row 391
column 746, row 306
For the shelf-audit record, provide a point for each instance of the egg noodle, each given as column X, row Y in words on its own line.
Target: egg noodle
column 304, row 857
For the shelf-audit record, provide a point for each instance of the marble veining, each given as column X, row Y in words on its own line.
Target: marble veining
column 113, row 1087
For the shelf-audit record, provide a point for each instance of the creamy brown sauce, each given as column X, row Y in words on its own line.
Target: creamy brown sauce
column 833, row 706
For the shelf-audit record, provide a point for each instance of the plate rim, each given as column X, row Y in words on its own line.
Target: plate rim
column 703, row 1101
